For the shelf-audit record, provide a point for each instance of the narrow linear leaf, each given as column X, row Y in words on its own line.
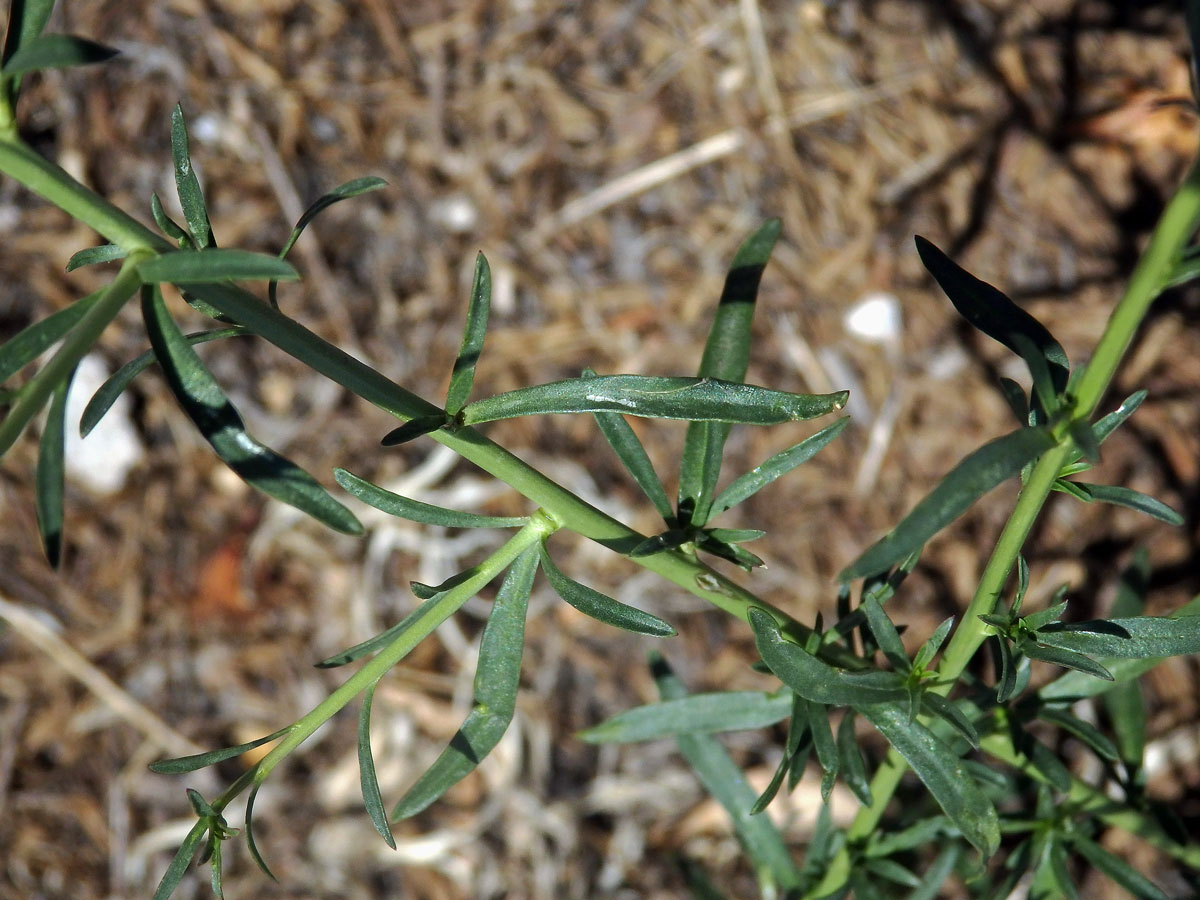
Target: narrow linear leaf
column 994, row 314
column 182, row 859
column 191, row 197
column 352, row 188
column 250, row 842
column 1068, row 659
column 116, row 384
column 1127, row 497
column 808, row 676
column 690, row 399
column 993, row 463
column 892, row 871
column 414, row 510
column 723, row 780
column 51, row 474
column 1044, row 617
column 1118, row 870
column 599, row 606
column 181, row 764
column 366, row 770
column 696, row 713
column 92, row 255
column 726, row 357
column 1014, row 396
column 1186, row 269
column 624, row 441
column 698, row 883
column 30, row 342
column 167, row 225
column 1136, row 637
column 853, row 766
column 214, row 265
column 497, row 681
column 886, row 635
column 1084, row 731
column 1109, row 423
column 463, row 376
column 370, row 645
column 817, row 715
column 26, row 22
column 212, row 413
column 56, row 51
column 942, row 771
column 414, row 428
column 936, row 875
column 928, row 650
column 948, row 710
column 745, row 486
column 1084, row 436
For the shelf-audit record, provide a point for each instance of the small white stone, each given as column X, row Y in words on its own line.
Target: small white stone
column 102, row 461
column 457, row 214
column 875, row 318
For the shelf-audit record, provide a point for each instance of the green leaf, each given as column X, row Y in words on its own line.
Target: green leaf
column 1117, row 869
column 600, row 607
column 358, row 651
column 690, row 399
column 27, row 20
column 496, row 683
column 167, row 225
column 352, row 188
column 1084, row 437
column 1051, row 880
column 886, row 635
column 92, row 255
column 996, row 315
column 892, row 871
column 808, row 676
column 106, row 395
column 943, row 773
column 817, row 715
column 768, row 852
column 698, row 882
column 182, row 764
column 948, row 710
column 250, row 842
column 1137, row 637
column 697, row 713
column 1123, row 496
column 50, row 477
column 726, row 357
column 1109, row 423
column 929, row 649
column 207, row 406
column 182, row 859
column 416, row 511
column 936, row 875
column 30, row 342
column 1188, row 266
column 191, row 197
column 463, row 376
column 414, row 428
column 366, row 770
column 853, row 766
column 624, row 441
column 215, row 865
column 1068, row 659
column 1014, row 396
column 213, row 266
column 1084, row 731
column 981, row 471
column 55, row 51
column 745, row 486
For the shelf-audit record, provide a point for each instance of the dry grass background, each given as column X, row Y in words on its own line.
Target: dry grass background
column 608, row 157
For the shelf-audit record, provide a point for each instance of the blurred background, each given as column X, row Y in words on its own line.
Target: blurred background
column 608, row 158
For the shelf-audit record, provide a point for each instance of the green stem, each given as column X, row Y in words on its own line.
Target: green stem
column 538, row 528
column 1174, row 230
column 74, row 347
column 52, row 183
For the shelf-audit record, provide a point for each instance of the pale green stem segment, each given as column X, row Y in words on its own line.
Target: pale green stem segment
column 540, row 525
column 1174, row 230
column 33, row 396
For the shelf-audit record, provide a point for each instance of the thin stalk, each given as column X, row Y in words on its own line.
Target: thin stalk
column 539, row 526
column 74, row 347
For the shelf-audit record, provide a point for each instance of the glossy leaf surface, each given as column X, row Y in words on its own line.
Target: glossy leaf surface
column 691, row 399
column 93, row 255
column 214, row 266
column 191, row 197
column 600, row 606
